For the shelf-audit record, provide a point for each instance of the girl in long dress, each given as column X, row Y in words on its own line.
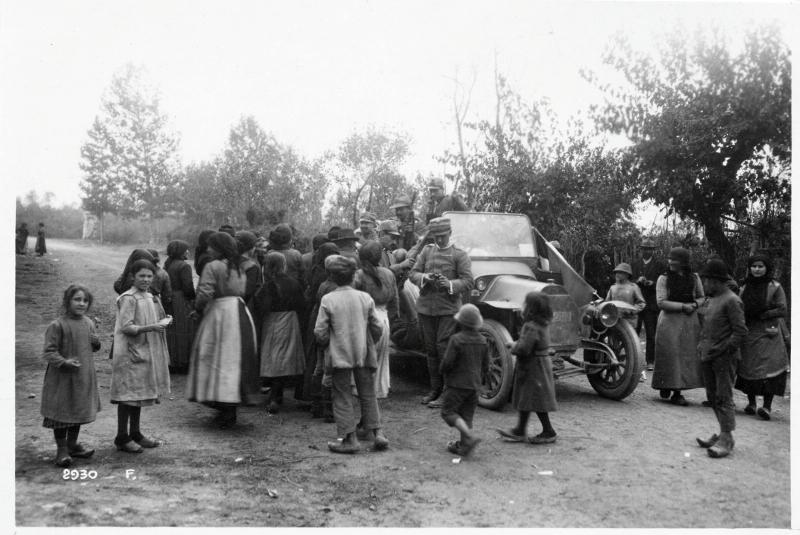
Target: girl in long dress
column 180, row 332
column 679, row 293
column 223, row 369
column 765, row 361
column 281, row 305
column 139, row 370
column 379, row 283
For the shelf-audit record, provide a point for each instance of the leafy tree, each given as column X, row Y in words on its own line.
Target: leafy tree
column 130, row 160
column 100, row 185
column 711, row 129
column 256, row 181
column 560, row 175
column 364, row 169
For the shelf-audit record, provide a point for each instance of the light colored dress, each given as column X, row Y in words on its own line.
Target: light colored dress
column 224, row 364
column 140, row 365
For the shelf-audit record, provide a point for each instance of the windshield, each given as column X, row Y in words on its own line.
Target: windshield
column 490, row 235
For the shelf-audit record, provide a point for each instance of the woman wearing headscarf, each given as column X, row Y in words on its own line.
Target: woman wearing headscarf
column 223, row 369
column 679, row 292
column 180, row 332
column 765, row 361
column 246, row 242
column 280, row 240
column 379, row 283
column 161, row 285
column 318, row 285
column 201, row 255
column 280, row 303
column 125, row 281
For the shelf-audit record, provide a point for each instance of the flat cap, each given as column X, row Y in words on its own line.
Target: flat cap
column 439, row 225
column 401, row 201
column 436, row 183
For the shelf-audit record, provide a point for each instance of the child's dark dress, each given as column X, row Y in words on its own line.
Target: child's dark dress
column 464, row 362
column 534, row 386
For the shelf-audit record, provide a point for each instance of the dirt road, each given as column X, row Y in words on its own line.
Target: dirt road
column 616, row 464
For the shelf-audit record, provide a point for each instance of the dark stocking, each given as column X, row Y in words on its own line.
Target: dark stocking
column 61, row 436
column 547, row 429
column 768, row 401
column 751, row 399
column 122, row 424
column 522, row 423
column 72, row 434
column 135, row 415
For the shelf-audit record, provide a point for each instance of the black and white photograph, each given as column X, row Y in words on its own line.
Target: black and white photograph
column 398, row 264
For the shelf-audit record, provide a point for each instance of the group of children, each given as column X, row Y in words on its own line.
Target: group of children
column 347, row 326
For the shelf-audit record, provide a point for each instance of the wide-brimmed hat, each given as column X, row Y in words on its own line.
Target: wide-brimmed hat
column 389, row 226
column 624, row 267
column 715, row 269
column 469, row 316
column 439, row 225
column 401, row 201
column 647, row 243
column 345, row 234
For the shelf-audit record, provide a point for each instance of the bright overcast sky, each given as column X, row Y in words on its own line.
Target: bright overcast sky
column 311, row 73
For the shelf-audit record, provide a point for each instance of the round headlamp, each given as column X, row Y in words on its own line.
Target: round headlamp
column 480, row 284
column 608, row 314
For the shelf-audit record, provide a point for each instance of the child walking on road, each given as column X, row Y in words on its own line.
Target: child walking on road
column 69, row 394
column 534, row 389
column 464, row 362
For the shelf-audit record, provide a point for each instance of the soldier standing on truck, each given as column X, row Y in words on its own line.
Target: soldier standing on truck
column 443, row 272
column 440, row 203
column 409, row 227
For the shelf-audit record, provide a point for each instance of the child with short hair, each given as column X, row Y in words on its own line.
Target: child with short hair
column 465, row 361
column 534, row 386
column 69, row 394
column 139, row 371
column 348, row 328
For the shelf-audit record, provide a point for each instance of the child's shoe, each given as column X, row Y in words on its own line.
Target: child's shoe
column 750, row 409
column 468, row 444
column 77, row 450
column 63, row 459
column 381, row 442
column 541, row 438
column 511, row 435
column 454, row 446
column 764, row 413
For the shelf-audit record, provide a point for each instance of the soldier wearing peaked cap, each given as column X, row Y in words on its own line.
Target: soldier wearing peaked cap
column 368, row 224
column 409, row 227
column 443, row 272
column 645, row 274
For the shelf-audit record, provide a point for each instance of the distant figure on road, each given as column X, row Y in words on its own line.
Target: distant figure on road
column 41, row 247
column 22, row 239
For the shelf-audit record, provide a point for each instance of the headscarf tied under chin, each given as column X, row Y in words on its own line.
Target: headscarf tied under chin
column 224, row 244
column 370, row 256
column 175, row 251
column 754, row 295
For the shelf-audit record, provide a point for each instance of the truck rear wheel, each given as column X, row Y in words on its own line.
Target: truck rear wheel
column 497, row 383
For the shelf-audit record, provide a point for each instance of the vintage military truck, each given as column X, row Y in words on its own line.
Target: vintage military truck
column 589, row 335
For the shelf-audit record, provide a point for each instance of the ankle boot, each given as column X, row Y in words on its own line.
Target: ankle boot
column 63, row 459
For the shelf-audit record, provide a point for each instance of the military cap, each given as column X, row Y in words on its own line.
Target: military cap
column 389, row 226
column 436, row 183
column 439, row 225
column 647, row 243
column 624, row 267
column 401, row 201
column 369, row 217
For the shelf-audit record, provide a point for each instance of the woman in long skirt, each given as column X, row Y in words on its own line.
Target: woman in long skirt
column 765, row 361
column 679, row 292
column 280, row 303
column 379, row 283
column 223, row 370
column 180, row 332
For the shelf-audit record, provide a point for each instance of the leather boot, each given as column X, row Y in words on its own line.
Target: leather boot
column 722, row 448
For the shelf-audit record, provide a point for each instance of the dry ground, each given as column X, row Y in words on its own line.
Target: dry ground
column 616, row 464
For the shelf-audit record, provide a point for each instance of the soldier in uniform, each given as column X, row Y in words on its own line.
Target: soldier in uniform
column 368, row 223
column 443, row 272
column 440, row 203
column 409, row 227
column 645, row 273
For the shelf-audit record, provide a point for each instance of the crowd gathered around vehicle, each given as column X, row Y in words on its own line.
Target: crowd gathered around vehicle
column 264, row 318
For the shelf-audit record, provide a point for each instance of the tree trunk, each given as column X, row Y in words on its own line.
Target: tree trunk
column 715, row 233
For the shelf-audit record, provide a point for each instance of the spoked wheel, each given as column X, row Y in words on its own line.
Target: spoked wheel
column 617, row 381
column 497, row 383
